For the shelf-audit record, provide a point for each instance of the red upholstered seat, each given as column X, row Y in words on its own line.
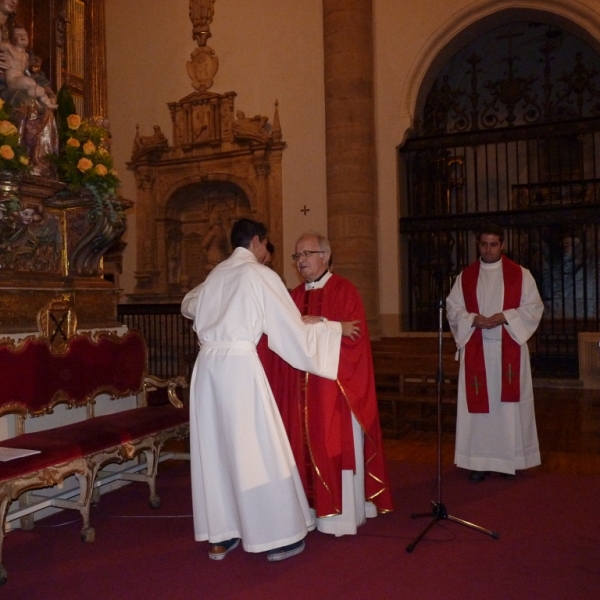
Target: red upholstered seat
column 33, row 379
column 32, row 375
column 72, row 441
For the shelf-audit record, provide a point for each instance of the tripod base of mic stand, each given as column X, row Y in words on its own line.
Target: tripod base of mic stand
column 440, row 513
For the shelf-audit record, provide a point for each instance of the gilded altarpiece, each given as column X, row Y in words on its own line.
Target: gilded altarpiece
column 221, row 165
column 54, row 244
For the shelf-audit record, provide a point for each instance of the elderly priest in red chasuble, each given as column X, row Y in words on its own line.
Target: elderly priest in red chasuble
column 333, row 426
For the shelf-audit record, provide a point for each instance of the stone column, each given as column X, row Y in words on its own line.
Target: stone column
column 350, row 147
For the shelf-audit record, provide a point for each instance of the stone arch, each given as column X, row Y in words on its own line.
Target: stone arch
column 197, row 215
column 532, row 164
column 480, row 17
column 165, row 202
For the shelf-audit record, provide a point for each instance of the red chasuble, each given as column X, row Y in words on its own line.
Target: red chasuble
column 318, row 415
column 475, row 375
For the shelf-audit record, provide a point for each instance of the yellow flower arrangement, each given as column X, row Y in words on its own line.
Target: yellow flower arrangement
column 84, row 164
column 89, row 147
column 13, row 156
column 7, row 152
column 74, row 121
column 84, row 161
column 7, row 128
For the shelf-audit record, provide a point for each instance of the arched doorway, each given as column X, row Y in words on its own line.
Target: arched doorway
column 509, row 131
column 197, row 230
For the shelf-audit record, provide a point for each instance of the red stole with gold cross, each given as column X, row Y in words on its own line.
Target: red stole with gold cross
column 475, row 376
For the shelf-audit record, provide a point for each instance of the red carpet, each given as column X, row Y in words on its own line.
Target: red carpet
column 549, row 548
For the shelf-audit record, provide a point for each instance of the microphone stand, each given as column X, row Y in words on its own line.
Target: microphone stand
column 438, row 508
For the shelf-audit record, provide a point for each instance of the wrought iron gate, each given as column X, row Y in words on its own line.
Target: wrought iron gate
column 521, row 148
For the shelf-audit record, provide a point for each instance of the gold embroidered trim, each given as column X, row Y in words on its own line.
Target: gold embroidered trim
column 367, row 460
column 312, row 458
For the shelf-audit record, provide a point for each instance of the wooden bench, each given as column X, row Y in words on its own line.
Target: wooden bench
column 406, row 371
column 39, row 373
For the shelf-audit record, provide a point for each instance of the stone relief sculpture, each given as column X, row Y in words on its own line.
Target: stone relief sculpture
column 221, row 166
column 149, row 146
column 226, row 118
column 233, row 167
column 174, row 252
column 200, row 123
column 204, row 63
column 179, row 136
column 202, row 68
column 216, row 242
column 201, row 16
column 147, row 254
column 250, row 128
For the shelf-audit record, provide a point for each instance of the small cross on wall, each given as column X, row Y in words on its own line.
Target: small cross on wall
column 304, row 210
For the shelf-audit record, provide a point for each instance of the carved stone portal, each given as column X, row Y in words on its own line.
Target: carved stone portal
column 221, row 166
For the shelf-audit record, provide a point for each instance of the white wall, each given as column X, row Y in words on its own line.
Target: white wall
column 268, row 50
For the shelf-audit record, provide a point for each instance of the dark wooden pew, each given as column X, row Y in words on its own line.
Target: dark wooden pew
column 406, row 370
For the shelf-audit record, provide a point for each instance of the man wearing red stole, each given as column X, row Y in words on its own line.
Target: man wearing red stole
column 493, row 309
column 333, row 426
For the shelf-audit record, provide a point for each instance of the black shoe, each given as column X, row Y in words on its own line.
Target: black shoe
column 222, row 549
column 477, row 476
column 285, row 551
column 509, row 476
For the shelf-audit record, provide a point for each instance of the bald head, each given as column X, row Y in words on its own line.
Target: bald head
column 312, row 255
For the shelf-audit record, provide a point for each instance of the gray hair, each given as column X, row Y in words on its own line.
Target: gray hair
column 321, row 240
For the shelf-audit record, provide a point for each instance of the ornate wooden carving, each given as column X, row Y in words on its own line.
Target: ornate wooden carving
column 221, row 165
column 51, row 244
column 57, row 322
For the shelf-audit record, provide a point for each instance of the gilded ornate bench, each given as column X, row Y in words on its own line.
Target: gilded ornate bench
column 37, row 374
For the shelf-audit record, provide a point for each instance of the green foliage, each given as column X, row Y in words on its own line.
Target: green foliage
column 84, row 161
column 13, row 156
column 66, row 107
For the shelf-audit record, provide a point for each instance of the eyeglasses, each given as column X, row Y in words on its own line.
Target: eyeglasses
column 306, row 254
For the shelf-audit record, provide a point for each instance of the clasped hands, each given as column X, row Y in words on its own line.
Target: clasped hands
column 481, row 322
column 350, row 329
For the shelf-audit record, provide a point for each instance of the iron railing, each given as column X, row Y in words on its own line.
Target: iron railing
column 172, row 342
column 542, row 184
